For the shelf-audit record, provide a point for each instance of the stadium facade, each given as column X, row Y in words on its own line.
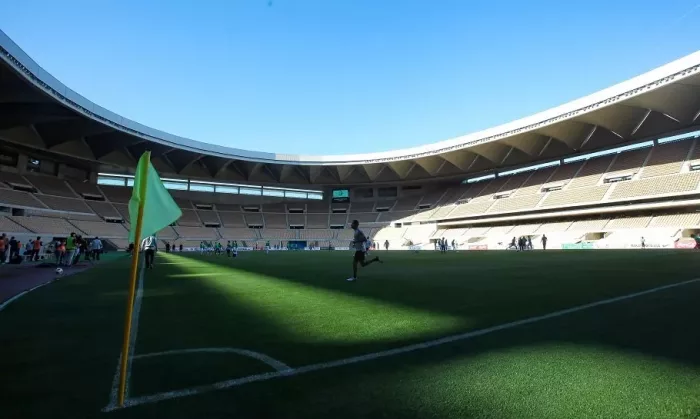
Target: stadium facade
column 604, row 170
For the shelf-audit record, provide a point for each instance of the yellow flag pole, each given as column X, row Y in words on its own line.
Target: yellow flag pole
column 132, row 284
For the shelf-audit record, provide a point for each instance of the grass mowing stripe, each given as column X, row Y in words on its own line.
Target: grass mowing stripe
column 382, row 354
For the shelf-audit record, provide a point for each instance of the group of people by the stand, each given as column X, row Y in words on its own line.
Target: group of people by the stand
column 65, row 251
column 444, row 246
column 525, row 243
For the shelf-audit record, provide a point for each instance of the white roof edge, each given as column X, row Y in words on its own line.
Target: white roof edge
column 651, row 80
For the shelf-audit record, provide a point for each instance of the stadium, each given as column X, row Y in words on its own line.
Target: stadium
column 598, row 324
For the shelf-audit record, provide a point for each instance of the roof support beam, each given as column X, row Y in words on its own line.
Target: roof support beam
column 588, row 137
column 639, row 125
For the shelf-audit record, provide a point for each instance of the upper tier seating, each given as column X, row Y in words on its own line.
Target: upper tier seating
column 7, row 225
column 339, row 219
column 274, row 220
column 44, row 225
column 684, row 182
column 207, row 216
column 628, row 222
column 628, row 163
column 101, row 229
column 51, row 185
column 591, row 172
column 296, row 219
column 116, row 193
column 666, row 159
column 64, row 204
column 104, row 209
column 575, row 196
column 232, row 219
column 19, row 199
column 189, row 218
column 406, row 204
column 16, row 179
column 238, row 233
column 317, row 220
column 85, row 188
column 196, row 232
column 676, row 220
column 361, row 207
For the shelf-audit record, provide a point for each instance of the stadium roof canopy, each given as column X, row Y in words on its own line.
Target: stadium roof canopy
column 40, row 113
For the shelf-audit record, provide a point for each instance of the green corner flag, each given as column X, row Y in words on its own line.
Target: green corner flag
column 159, row 209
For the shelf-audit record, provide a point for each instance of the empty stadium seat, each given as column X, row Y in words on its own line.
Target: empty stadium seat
column 562, row 175
column 588, row 225
column 238, row 233
column 318, row 207
column 7, row 225
column 685, row 220
column 232, row 219
column 471, row 208
column 209, row 217
column 101, row 228
column 575, row 196
column 628, row 222
column 317, row 220
column 660, row 185
column 406, row 204
column 189, row 218
column 278, row 234
column 65, row 204
column 44, row 225
column 361, row 206
column 296, row 219
column 666, row 159
column 274, row 220
column 104, row 209
column 316, row 234
column 591, row 172
column 196, row 232
column 51, row 185
column 534, row 183
column 518, row 203
column 11, row 197
column 11, row 178
column 628, row 163
column 85, row 188
column 116, row 193
column 368, row 217
column 253, row 219
column 339, row 219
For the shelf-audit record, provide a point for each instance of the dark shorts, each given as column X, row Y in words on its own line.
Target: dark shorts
column 359, row 256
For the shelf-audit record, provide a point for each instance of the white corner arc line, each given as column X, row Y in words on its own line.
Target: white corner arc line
column 272, row 362
column 382, row 354
column 23, row 293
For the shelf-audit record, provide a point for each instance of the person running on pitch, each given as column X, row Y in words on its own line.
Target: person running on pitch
column 358, row 244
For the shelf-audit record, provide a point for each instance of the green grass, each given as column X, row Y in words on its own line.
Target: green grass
column 638, row 358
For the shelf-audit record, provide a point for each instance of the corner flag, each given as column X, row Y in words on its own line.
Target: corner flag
column 150, row 209
column 159, row 209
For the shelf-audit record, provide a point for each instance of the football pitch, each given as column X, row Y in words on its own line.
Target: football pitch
column 556, row 334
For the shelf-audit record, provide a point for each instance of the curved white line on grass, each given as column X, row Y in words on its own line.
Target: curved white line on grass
column 383, row 354
column 23, row 293
column 277, row 365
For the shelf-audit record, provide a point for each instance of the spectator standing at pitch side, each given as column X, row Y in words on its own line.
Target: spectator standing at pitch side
column 544, row 242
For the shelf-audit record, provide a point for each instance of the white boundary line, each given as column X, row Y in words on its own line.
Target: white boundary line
column 277, row 365
column 383, row 354
column 114, row 392
column 25, row 292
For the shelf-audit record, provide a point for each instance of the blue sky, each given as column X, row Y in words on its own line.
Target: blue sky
column 344, row 76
